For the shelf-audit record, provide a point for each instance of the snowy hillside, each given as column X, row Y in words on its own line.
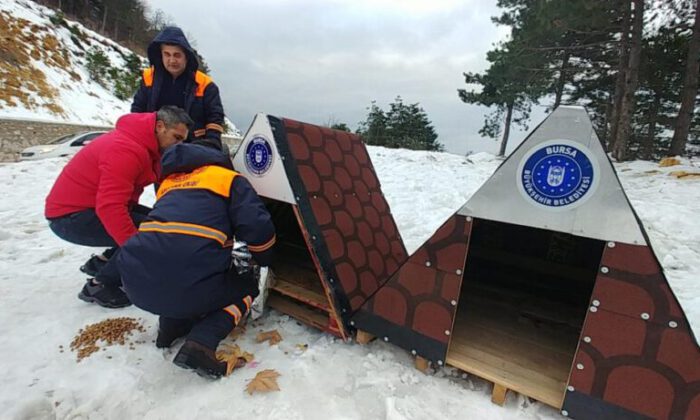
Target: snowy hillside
column 44, row 69
column 43, row 73
column 40, row 315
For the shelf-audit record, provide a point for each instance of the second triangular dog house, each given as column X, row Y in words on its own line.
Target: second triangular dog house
column 545, row 283
column 337, row 240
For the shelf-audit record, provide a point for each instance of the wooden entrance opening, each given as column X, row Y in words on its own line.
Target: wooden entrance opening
column 524, row 297
column 297, row 288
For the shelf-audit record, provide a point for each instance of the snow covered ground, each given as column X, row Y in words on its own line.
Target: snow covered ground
column 39, row 311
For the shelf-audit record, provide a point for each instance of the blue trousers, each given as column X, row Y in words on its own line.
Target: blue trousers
column 210, row 328
column 85, row 228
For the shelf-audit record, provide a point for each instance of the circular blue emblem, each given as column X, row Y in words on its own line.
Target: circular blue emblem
column 258, row 155
column 558, row 173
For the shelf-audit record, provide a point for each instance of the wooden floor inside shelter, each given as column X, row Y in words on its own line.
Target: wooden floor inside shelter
column 300, row 283
column 495, row 341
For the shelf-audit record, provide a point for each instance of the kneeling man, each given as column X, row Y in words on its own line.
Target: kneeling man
column 179, row 264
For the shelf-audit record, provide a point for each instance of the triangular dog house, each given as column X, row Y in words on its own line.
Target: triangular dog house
column 336, row 237
column 545, row 283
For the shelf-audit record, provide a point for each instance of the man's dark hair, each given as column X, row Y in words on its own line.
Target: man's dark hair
column 172, row 116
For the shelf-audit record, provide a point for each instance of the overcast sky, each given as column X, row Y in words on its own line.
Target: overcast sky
column 325, row 61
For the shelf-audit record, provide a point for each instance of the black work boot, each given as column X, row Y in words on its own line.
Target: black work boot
column 170, row 329
column 108, row 296
column 193, row 355
column 93, row 265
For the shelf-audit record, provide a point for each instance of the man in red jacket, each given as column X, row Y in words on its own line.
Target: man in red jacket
column 94, row 201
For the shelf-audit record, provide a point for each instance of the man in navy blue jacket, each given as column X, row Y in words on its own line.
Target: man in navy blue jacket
column 179, row 264
column 174, row 79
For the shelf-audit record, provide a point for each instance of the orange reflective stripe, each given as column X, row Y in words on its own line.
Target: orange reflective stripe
column 213, row 178
column 148, row 76
column 264, row 247
column 184, row 229
column 248, row 302
column 212, row 126
column 202, row 81
column 234, row 312
column 199, row 133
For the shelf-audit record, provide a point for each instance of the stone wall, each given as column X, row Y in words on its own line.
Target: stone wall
column 17, row 134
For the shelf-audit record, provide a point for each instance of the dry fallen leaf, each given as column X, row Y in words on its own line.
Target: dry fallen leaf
column 669, row 161
column 273, row 337
column 264, row 381
column 234, row 357
column 685, row 174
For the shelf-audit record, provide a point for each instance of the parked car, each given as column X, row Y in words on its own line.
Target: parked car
column 63, row 146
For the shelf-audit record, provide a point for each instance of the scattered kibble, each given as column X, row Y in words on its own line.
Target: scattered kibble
column 108, row 332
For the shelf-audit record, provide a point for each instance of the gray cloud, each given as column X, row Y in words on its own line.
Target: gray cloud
column 320, row 61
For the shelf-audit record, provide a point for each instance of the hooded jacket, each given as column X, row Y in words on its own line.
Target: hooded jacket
column 109, row 175
column 202, row 100
column 177, row 264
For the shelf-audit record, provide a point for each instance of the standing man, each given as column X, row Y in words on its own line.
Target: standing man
column 94, row 201
column 173, row 79
column 179, row 264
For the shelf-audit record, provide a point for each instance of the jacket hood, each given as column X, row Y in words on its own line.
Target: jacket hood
column 171, row 35
column 141, row 128
column 186, row 157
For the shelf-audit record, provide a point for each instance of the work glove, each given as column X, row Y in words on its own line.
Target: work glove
column 241, row 258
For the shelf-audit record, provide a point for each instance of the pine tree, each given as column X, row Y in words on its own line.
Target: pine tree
column 507, row 87
column 403, row 126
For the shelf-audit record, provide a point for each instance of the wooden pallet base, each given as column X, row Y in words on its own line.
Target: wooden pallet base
column 363, row 337
column 422, row 364
column 498, row 395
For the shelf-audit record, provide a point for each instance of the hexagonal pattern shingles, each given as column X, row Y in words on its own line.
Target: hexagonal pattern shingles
column 637, row 350
column 345, row 197
column 416, row 307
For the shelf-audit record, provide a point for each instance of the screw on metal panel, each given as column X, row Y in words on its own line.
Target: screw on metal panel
column 587, row 339
column 458, row 272
column 344, row 310
column 439, row 362
column 645, row 316
column 469, row 218
column 453, row 302
column 427, row 263
column 604, row 270
column 672, row 324
column 570, row 388
column 315, row 196
column 579, row 366
column 313, row 237
column 352, row 323
column 297, row 198
column 564, row 413
column 594, row 309
column 283, row 158
column 413, row 352
column 386, row 339
column 611, row 244
column 447, row 332
column 596, row 302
